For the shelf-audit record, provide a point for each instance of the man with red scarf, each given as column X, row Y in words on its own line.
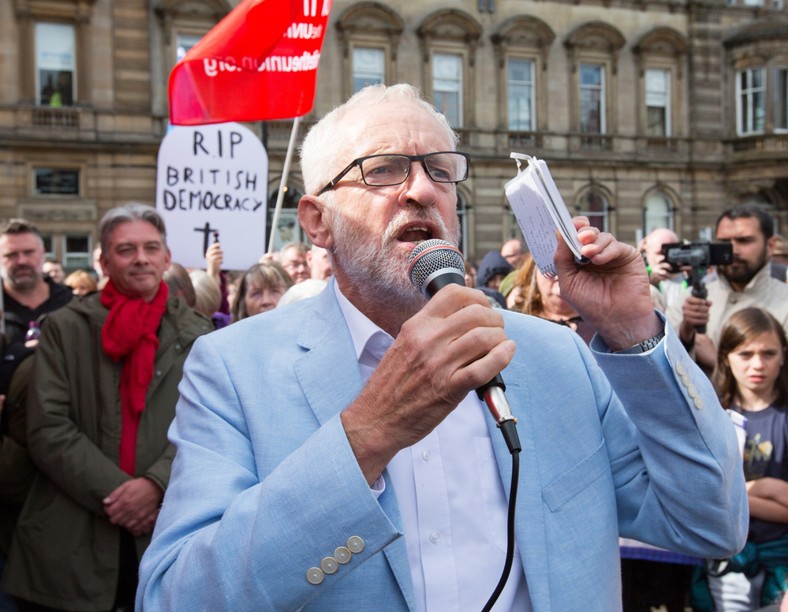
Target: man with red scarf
column 101, row 400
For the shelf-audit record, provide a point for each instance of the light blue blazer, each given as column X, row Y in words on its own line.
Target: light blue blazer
column 265, row 486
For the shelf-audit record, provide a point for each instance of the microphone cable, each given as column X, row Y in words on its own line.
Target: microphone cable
column 492, row 395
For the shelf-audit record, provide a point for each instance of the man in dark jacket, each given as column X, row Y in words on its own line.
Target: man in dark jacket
column 28, row 293
column 101, row 398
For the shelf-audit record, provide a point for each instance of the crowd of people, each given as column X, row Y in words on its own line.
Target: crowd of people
column 164, row 447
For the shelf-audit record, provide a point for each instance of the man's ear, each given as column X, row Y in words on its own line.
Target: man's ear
column 313, row 217
column 771, row 243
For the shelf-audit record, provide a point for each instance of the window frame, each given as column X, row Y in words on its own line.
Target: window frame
column 602, row 103
column 457, row 122
column 355, row 73
column 38, row 36
column 666, row 219
column 667, row 95
column 531, row 97
column 583, row 197
column 76, row 259
column 747, row 93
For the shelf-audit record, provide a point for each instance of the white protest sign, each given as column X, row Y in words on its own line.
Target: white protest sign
column 213, row 178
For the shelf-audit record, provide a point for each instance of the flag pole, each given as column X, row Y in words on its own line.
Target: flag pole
column 283, row 183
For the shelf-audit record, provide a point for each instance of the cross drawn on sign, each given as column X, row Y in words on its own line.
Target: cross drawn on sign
column 206, row 231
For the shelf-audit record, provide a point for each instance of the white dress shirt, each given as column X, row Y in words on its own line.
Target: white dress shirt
column 451, row 499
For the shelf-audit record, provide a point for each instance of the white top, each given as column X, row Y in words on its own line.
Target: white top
column 451, row 499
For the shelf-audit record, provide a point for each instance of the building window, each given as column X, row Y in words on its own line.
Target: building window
column 368, row 67
column 521, row 95
column 77, row 252
column 658, row 103
column 658, row 212
column 56, row 181
column 781, row 99
column 48, row 251
column 447, row 86
column 751, row 100
column 594, row 205
column 184, row 43
column 592, row 99
column 55, row 64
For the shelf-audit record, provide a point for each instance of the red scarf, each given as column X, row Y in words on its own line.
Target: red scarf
column 130, row 333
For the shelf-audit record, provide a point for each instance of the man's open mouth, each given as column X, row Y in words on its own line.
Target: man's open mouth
column 416, row 234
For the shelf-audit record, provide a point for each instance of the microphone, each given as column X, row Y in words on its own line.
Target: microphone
column 433, row 264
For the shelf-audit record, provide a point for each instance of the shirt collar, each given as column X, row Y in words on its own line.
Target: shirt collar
column 367, row 337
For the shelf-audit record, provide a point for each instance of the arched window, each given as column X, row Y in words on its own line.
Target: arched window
column 657, row 211
column 369, row 34
column 521, row 47
column 593, row 50
column 182, row 23
column 661, row 56
column 448, row 41
column 594, row 204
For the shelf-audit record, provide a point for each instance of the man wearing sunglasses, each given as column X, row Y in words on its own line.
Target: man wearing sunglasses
column 333, row 455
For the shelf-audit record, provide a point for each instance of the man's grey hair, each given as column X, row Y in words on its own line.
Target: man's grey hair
column 133, row 211
column 324, row 143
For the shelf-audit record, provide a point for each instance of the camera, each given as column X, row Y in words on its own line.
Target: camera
column 697, row 254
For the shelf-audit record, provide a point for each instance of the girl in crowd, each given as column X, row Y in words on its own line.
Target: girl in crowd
column 752, row 379
column 260, row 289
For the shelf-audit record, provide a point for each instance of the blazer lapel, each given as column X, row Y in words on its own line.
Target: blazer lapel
column 330, row 378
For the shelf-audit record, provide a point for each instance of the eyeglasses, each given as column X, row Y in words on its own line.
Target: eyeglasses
column 387, row 169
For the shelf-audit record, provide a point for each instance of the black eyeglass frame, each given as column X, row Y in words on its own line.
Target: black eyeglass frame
column 413, row 158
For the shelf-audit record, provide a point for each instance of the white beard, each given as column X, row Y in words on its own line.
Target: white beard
column 375, row 266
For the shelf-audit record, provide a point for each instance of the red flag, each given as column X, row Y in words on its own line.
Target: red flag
column 259, row 62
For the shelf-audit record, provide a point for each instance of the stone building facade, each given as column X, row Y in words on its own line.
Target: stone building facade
column 658, row 113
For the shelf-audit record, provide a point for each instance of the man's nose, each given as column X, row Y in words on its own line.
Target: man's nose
column 419, row 186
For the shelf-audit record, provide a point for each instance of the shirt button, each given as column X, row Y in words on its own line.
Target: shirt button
column 355, row 544
column 315, row 575
column 158, row 372
column 329, row 565
column 435, row 537
column 342, row 555
column 425, row 455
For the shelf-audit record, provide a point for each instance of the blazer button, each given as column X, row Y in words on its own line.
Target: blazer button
column 315, row 575
column 355, row 544
column 329, row 565
column 342, row 555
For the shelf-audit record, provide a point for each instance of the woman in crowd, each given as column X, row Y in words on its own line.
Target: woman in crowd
column 260, row 289
column 535, row 294
column 81, row 282
column 752, row 380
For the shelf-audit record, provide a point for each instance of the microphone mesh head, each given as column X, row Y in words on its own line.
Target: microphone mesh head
column 430, row 256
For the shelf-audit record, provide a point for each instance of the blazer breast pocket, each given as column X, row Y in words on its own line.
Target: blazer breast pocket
column 578, row 478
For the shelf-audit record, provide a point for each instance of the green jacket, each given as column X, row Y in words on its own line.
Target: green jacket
column 65, row 552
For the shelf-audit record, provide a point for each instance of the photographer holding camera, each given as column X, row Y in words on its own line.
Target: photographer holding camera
column 745, row 282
